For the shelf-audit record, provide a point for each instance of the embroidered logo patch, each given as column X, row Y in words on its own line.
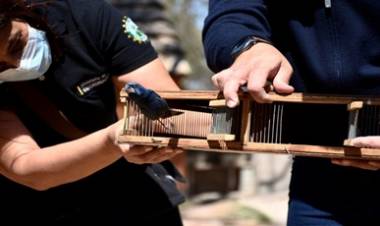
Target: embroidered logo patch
column 90, row 84
column 133, row 31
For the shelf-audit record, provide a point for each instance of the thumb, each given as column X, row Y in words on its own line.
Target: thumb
column 281, row 80
column 369, row 141
column 230, row 93
column 125, row 147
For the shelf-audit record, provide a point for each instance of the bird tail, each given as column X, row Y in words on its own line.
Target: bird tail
column 175, row 112
column 171, row 113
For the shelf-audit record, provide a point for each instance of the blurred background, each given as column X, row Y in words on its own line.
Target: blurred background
column 222, row 189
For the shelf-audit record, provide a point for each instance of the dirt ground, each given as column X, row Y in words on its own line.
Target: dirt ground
column 263, row 210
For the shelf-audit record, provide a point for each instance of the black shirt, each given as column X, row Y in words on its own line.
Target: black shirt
column 98, row 42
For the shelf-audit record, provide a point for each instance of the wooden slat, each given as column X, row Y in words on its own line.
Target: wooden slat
column 245, row 121
column 244, row 146
column 355, row 105
column 348, row 142
column 292, row 98
column 185, row 94
column 218, row 103
column 252, row 147
column 323, row 99
column 220, row 137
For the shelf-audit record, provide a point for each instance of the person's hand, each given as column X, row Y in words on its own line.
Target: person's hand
column 147, row 154
column 255, row 67
column 139, row 154
column 365, row 142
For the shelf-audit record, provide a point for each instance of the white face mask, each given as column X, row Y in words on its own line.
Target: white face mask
column 35, row 60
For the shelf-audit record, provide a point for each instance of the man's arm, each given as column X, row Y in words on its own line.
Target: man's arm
column 227, row 24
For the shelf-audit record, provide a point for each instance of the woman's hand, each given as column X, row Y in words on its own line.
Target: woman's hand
column 364, row 142
column 139, row 154
column 255, row 67
column 147, row 154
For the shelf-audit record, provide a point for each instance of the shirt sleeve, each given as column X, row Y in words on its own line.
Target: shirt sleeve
column 229, row 21
column 123, row 44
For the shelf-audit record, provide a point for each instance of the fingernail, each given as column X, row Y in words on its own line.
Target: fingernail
column 231, row 103
column 125, row 146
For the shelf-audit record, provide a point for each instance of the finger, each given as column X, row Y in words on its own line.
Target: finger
column 219, row 79
column 134, row 160
column 256, row 85
column 362, row 164
column 282, row 78
column 153, row 154
column 124, row 147
column 162, row 154
column 170, row 150
column 140, row 150
column 369, row 141
column 214, row 80
column 230, row 93
column 375, row 164
column 165, row 157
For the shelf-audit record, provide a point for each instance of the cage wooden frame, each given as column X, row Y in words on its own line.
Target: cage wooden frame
column 231, row 143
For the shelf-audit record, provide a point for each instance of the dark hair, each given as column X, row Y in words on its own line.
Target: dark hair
column 29, row 11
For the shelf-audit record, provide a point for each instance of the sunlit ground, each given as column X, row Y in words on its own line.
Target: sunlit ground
column 263, row 210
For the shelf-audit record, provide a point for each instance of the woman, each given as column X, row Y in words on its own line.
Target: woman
column 77, row 55
column 330, row 47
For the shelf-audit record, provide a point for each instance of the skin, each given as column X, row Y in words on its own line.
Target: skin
column 24, row 161
column 254, row 67
column 261, row 64
column 365, row 142
column 13, row 39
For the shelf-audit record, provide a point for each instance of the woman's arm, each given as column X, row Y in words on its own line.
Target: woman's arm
column 23, row 161
column 153, row 76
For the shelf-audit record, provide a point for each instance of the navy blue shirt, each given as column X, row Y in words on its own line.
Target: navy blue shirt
column 97, row 43
column 332, row 50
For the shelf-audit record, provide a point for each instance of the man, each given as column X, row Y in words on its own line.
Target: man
column 322, row 47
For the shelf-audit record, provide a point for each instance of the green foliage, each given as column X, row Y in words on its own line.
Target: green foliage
column 241, row 212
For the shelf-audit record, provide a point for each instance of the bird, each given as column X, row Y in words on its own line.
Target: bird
column 152, row 105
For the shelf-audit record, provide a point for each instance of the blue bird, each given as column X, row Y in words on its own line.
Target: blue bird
column 150, row 103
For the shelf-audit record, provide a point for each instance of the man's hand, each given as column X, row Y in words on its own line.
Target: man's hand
column 255, row 67
column 365, row 142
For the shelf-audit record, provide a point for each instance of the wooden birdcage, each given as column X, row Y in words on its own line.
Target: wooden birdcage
column 207, row 124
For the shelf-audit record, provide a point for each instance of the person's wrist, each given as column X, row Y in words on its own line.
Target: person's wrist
column 245, row 44
column 112, row 133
